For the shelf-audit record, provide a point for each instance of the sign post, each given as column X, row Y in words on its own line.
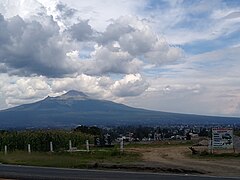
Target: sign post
column 222, row 138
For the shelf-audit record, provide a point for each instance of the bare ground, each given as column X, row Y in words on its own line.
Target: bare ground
column 179, row 157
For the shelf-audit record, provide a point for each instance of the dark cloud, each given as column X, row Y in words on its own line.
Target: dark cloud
column 3, row 68
column 81, row 31
column 137, row 42
column 65, row 11
column 4, row 34
column 107, row 61
column 37, row 46
column 30, row 48
column 114, row 31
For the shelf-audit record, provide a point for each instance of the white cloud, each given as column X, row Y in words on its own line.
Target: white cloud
column 96, row 86
column 23, row 8
column 39, row 47
column 187, row 22
column 162, row 53
column 100, row 12
column 102, row 87
column 130, row 85
column 204, row 84
column 33, row 47
column 23, row 90
column 55, row 46
column 107, row 61
column 137, row 38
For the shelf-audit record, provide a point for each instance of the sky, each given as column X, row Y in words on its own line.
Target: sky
column 167, row 55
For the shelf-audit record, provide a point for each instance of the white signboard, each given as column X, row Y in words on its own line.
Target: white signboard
column 222, row 138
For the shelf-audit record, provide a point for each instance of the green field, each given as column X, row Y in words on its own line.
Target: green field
column 70, row 160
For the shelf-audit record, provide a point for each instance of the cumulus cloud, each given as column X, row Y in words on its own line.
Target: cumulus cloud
column 106, row 61
column 114, row 31
column 41, row 55
column 130, row 85
column 4, row 36
column 81, row 31
column 29, row 89
column 32, row 48
column 50, row 47
column 96, row 86
column 99, row 13
column 24, row 90
column 102, row 87
column 37, row 47
column 25, row 9
column 162, row 53
column 55, row 50
column 43, row 44
column 137, row 38
column 65, row 11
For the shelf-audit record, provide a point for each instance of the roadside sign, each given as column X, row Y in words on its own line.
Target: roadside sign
column 222, row 138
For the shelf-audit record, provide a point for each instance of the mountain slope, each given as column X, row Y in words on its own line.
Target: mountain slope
column 75, row 108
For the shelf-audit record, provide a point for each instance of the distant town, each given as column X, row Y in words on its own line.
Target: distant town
column 163, row 132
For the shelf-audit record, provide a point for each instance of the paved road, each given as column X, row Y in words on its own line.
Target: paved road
column 28, row 172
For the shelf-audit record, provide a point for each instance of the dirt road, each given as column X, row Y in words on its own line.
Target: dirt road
column 179, row 157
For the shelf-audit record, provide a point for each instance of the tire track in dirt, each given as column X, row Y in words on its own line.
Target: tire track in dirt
column 177, row 157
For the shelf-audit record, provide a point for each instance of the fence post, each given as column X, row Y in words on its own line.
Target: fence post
column 51, row 146
column 210, row 146
column 70, row 145
column 121, row 145
column 29, row 148
column 5, row 149
column 87, row 145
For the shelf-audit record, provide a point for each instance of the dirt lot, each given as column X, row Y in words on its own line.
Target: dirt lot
column 180, row 157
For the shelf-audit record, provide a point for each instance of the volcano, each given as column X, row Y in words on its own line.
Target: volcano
column 76, row 108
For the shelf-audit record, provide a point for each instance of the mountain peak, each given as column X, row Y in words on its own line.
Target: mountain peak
column 73, row 95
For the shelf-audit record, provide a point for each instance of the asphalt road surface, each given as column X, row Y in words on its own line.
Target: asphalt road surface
column 29, row 172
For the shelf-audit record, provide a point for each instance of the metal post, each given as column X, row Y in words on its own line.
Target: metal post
column 5, row 149
column 29, row 148
column 51, row 146
column 70, row 145
column 87, row 145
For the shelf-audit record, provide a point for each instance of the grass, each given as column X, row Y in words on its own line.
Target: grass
column 210, row 156
column 69, row 160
